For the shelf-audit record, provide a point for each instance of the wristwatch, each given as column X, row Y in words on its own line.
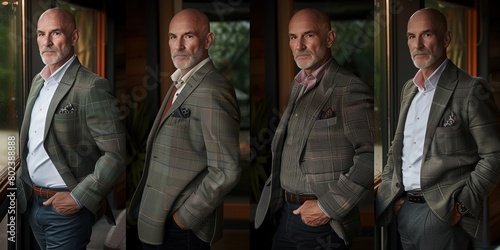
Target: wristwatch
column 462, row 209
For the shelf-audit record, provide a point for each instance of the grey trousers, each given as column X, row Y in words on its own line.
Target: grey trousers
column 420, row 229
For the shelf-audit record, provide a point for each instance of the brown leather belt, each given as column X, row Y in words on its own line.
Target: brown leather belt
column 299, row 198
column 415, row 197
column 43, row 192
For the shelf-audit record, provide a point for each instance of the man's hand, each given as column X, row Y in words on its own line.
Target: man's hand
column 311, row 214
column 456, row 215
column 397, row 205
column 63, row 203
column 176, row 220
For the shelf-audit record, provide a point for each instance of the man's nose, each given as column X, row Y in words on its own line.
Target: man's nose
column 179, row 44
column 299, row 44
column 417, row 43
column 46, row 41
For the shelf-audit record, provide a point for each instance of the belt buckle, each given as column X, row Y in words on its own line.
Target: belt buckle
column 415, row 197
column 42, row 192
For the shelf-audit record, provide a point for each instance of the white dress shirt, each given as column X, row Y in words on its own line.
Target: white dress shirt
column 416, row 126
column 42, row 171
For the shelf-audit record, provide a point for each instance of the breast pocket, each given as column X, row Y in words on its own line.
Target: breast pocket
column 320, row 140
column 452, row 140
column 65, row 126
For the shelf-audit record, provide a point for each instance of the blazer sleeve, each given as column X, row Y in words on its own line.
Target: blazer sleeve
column 484, row 125
column 219, row 122
column 104, row 123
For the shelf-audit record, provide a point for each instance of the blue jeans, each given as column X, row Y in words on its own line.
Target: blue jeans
column 55, row 231
column 292, row 233
column 178, row 239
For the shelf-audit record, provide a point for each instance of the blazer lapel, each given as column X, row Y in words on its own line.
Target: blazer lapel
column 321, row 95
column 63, row 88
column 279, row 137
column 281, row 131
column 444, row 90
column 192, row 84
column 189, row 87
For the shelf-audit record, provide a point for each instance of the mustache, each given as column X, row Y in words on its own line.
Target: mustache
column 48, row 50
column 180, row 53
column 415, row 52
column 302, row 53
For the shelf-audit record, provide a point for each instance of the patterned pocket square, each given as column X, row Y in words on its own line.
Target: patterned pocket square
column 326, row 114
column 68, row 109
column 451, row 120
column 182, row 112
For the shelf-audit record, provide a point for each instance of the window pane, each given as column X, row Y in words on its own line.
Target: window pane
column 10, row 89
column 230, row 54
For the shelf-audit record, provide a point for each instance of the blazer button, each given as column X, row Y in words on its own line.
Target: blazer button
column 398, row 185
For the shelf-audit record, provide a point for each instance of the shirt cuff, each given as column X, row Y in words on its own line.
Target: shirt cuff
column 323, row 210
column 76, row 200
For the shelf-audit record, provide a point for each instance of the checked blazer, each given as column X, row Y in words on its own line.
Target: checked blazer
column 461, row 158
column 192, row 160
column 87, row 146
column 337, row 152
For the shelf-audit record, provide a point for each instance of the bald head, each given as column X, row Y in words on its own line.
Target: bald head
column 314, row 17
column 193, row 17
column 66, row 19
column 433, row 16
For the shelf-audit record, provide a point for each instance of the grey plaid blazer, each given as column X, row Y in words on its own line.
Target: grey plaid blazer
column 192, row 159
column 337, row 153
column 87, row 146
column 461, row 160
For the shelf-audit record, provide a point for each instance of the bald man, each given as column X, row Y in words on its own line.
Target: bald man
column 445, row 156
column 72, row 141
column 192, row 152
column 322, row 149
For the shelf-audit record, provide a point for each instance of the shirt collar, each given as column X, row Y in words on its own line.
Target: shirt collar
column 180, row 79
column 433, row 79
column 310, row 81
column 59, row 73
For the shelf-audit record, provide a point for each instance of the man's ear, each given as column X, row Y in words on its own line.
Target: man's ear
column 330, row 38
column 74, row 37
column 447, row 39
column 209, row 40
